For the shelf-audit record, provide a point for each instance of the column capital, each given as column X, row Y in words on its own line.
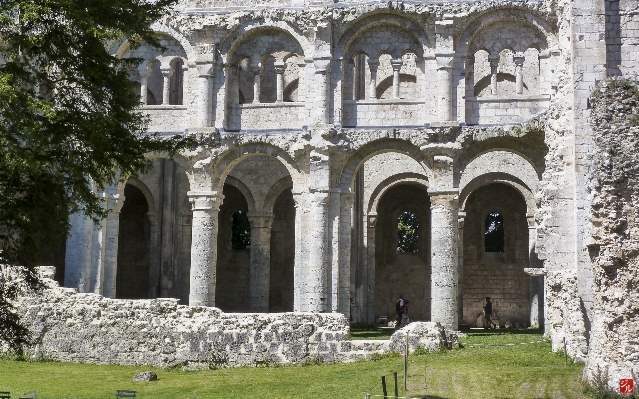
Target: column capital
column 396, row 64
column 493, row 59
column 322, row 65
column 519, row 58
column 205, row 200
column 373, row 63
column 371, row 220
column 445, row 60
column 204, row 69
column 280, row 67
column 260, row 220
column 256, row 69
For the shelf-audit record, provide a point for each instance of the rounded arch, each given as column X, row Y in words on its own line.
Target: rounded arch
column 493, row 16
column 145, row 191
column 124, row 46
column 383, row 17
column 246, row 192
column 232, row 157
column 356, row 160
column 235, row 37
column 274, row 192
column 500, row 160
column 389, row 183
column 503, row 178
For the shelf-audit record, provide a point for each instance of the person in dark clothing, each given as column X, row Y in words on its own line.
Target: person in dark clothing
column 488, row 312
column 399, row 311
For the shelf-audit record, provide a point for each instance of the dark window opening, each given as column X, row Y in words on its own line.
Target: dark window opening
column 494, row 235
column 240, row 231
column 407, row 232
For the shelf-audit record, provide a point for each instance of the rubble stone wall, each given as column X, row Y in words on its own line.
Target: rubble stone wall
column 614, row 247
column 87, row 328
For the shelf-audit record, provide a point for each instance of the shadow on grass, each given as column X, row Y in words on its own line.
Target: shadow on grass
column 502, row 331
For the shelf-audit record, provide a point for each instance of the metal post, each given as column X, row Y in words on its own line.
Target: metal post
column 384, row 387
column 396, row 387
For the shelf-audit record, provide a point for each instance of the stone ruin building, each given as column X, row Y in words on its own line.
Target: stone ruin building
column 353, row 151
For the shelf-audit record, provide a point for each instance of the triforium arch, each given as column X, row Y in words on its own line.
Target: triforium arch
column 508, row 58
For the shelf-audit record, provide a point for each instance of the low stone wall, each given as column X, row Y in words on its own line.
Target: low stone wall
column 88, row 328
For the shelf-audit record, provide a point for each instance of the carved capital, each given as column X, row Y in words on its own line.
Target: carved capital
column 280, row 67
column 205, row 201
column 519, row 58
column 397, row 64
column 260, row 220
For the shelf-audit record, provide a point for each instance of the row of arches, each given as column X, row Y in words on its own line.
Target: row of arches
column 499, row 58
column 391, row 233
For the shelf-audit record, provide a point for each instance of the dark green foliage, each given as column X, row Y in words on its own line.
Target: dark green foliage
column 494, row 233
column 407, row 232
column 68, row 119
column 240, row 231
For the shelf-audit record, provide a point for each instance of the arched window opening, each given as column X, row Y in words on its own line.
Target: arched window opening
column 240, row 231
column 494, row 235
column 407, row 232
column 176, row 83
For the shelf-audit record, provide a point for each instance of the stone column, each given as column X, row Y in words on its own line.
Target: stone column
column 257, row 71
column 322, row 82
column 280, row 67
column 203, row 247
column 344, row 246
column 397, row 66
column 519, row 72
column 167, row 72
column 205, row 79
column 536, row 294
column 143, row 70
column 260, row 274
column 114, row 204
column 444, row 262
column 317, row 290
column 77, row 271
column 300, row 271
column 373, row 64
column 369, row 277
column 494, row 64
column 356, row 78
column 444, row 87
column 461, row 217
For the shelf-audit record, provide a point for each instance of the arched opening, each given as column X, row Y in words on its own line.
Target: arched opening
column 240, row 231
column 407, row 232
column 233, row 255
column 495, row 254
column 282, row 253
column 132, row 280
column 154, row 84
column 494, row 232
column 402, row 262
column 176, row 82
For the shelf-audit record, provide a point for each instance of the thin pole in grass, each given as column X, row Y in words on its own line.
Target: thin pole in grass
column 405, row 360
column 368, row 396
column 384, row 387
column 396, row 387
column 565, row 353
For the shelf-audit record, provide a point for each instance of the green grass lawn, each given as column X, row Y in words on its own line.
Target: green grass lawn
column 492, row 365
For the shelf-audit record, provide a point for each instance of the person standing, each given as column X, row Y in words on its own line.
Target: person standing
column 399, row 311
column 488, row 312
column 405, row 319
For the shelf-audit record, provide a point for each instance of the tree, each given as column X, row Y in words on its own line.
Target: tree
column 68, row 122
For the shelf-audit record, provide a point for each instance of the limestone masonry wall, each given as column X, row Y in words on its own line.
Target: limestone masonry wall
column 88, row 328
